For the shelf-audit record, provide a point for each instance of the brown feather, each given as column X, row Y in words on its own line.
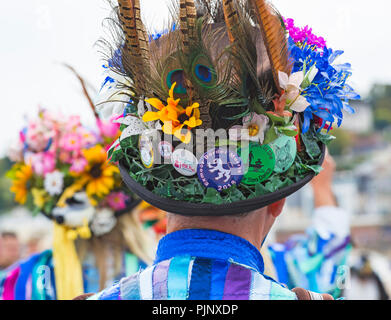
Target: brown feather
column 136, row 40
column 274, row 38
column 188, row 16
column 231, row 18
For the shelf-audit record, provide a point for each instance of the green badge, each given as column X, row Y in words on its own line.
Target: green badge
column 285, row 150
column 258, row 161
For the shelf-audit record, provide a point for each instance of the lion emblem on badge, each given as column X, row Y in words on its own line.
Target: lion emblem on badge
column 217, row 165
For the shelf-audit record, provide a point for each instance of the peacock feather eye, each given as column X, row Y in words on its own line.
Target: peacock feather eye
column 177, row 76
column 204, row 72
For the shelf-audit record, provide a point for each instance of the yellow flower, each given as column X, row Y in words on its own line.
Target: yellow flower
column 19, row 186
column 98, row 175
column 39, row 197
column 177, row 121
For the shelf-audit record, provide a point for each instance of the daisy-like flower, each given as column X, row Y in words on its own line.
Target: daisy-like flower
column 54, row 183
column 117, row 200
column 71, row 142
column 19, row 187
column 98, row 174
column 253, row 129
column 78, row 165
column 177, row 121
column 43, row 163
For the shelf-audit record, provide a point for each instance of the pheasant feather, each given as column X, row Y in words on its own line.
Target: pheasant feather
column 274, row 38
column 136, row 40
column 188, row 16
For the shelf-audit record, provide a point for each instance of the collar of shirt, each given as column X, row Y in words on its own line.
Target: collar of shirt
column 209, row 244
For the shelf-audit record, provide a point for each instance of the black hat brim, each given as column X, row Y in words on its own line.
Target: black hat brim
column 210, row 209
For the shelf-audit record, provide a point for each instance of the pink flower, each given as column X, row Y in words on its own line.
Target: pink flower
column 117, row 200
column 73, row 122
column 43, row 163
column 78, row 165
column 302, row 34
column 71, row 142
column 108, row 129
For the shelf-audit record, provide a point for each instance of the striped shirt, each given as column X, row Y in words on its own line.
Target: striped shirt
column 200, row 265
column 34, row 279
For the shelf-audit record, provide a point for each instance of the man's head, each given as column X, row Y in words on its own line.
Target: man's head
column 9, row 249
column 253, row 226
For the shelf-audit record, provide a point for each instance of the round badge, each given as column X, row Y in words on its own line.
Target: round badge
column 146, row 151
column 259, row 162
column 285, row 151
column 184, row 162
column 166, row 149
column 220, row 168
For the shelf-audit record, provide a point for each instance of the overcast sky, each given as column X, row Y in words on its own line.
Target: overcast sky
column 37, row 35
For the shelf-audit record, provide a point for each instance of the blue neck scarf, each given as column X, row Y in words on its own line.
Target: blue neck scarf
column 209, row 244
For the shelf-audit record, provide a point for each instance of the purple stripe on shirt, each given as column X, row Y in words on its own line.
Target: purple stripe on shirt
column 9, row 285
column 237, row 283
column 159, row 280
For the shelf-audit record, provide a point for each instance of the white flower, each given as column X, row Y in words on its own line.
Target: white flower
column 292, row 86
column 104, row 221
column 253, row 129
column 54, row 183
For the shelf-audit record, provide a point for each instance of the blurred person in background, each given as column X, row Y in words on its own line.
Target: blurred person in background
column 369, row 277
column 100, row 233
column 9, row 249
column 315, row 260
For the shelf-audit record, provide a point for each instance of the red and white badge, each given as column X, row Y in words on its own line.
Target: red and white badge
column 184, row 162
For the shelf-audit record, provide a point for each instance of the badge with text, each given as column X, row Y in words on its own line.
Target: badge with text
column 166, row 149
column 285, row 151
column 220, row 168
column 146, row 151
column 259, row 162
column 184, row 162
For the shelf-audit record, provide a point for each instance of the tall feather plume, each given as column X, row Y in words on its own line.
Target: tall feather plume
column 231, row 18
column 137, row 45
column 274, row 38
column 188, row 17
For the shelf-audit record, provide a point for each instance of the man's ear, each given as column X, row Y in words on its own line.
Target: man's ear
column 275, row 209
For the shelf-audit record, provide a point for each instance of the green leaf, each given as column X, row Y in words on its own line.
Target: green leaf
column 311, row 144
column 257, row 107
column 212, row 196
column 271, row 135
column 260, row 190
column 288, row 132
column 325, row 138
column 235, row 194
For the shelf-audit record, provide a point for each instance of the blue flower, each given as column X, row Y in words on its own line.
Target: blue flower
column 329, row 94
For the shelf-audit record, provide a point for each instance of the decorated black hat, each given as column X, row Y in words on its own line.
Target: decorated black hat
column 226, row 111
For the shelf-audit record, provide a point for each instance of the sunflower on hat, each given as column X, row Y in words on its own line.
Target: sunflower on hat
column 98, row 175
column 21, row 176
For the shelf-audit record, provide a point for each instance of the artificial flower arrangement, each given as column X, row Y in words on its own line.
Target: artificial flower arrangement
column 56, row 156
column 284, row 115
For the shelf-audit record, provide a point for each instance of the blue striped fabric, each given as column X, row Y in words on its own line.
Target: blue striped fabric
column 36, row 278
column 200, row 276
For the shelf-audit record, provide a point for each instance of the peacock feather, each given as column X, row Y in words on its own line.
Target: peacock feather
column 224, row 55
